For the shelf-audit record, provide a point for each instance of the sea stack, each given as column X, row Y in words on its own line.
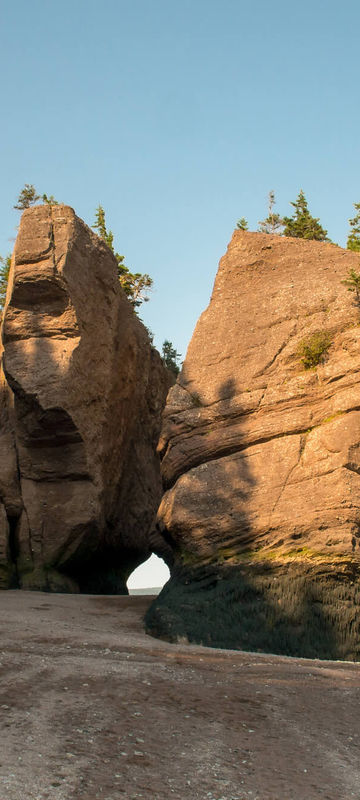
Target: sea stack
column 81, row 396
column 260, row 452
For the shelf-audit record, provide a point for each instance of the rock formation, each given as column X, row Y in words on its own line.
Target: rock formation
column 261, row 458
column 81, row 397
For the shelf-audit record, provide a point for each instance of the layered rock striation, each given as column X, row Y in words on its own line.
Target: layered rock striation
column 260, row 452
column 81, row 396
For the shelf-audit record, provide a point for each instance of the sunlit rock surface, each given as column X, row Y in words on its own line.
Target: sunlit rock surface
column 261, row 458
column 80, row 408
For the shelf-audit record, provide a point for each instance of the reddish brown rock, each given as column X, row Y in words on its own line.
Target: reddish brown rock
column 87, row 391
column 260, row 456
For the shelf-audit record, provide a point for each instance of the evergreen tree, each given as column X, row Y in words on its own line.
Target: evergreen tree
column 353, row 240
column 100, row 226
column 242, row 224
column 5, row 264
column 49, row 199
column 27, row 197
column 353, row 283
column 135, row 285
column 170, row 357
column 273, row 222
column 302, row 225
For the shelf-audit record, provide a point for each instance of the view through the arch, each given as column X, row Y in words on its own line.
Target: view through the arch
column 149, row 578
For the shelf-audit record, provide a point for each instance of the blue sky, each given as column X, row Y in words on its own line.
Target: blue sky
column 179, row 117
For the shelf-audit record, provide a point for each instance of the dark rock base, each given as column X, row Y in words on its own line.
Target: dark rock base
column 302, row 609
column 51, row 580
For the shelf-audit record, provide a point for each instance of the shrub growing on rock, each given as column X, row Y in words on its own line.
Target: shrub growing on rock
column 313, row 349
column 353, row 283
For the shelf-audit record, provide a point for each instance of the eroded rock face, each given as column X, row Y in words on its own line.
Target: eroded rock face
column 261, row 457
column 80, row 414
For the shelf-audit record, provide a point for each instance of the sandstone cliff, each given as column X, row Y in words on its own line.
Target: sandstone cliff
column 80, row 408
column 261, row 458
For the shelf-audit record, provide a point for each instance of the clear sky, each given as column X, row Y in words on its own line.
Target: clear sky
column 179, row 117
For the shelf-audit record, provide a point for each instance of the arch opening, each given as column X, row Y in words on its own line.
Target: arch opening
column 149, row 577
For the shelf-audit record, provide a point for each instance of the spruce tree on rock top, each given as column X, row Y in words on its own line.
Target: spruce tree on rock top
column 302, row 225
column 27, row 197
column 49, row 200
column 135, row 285
column 273, row 222
column 100, row 227
column 242, row 224
column 353, row 240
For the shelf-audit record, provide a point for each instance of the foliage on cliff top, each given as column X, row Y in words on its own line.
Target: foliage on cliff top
column 29, row 197
column 273, row 223
column 135, row 285
column 242, row 224
column 302, row 225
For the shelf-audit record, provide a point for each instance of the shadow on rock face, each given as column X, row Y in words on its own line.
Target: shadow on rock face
column 233, row 601
column 261, row 511
column 292, row 610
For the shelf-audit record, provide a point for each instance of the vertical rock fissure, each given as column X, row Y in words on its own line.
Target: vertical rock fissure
column 52, row 241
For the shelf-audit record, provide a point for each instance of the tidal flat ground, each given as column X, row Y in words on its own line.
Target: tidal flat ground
column 92, row 707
